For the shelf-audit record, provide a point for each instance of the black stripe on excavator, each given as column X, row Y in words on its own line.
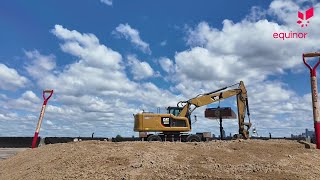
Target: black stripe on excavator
column 216, row 91
column 248, row 111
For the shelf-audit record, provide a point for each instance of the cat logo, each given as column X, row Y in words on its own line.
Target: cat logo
column 165, row 120
column 215, row 98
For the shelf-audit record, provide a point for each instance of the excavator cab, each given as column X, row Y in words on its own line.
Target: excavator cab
column 176, row 111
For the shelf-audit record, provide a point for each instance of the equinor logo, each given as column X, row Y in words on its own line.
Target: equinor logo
column 303, row 22
column 305, row 17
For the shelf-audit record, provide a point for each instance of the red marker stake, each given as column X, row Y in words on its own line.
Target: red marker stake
column 314, row 91
column 45, row 101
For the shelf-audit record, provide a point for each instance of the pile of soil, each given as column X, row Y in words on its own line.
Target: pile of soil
column 238, row 159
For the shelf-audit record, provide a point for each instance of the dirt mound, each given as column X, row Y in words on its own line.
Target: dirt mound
column 249, row 159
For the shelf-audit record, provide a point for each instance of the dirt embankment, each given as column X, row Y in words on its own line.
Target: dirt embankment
column 250, row 159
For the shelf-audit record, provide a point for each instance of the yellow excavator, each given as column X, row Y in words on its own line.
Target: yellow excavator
column 177, row 121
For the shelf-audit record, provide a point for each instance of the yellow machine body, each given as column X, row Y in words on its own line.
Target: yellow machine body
column 149, row 122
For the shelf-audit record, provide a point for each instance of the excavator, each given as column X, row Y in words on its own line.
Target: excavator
column 177, row 122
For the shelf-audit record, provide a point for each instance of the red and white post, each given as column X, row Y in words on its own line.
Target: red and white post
column 314, row 92
column 45, row 101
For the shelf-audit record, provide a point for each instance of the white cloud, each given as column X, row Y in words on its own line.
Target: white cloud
column 8, row 116
column 133, row 35
column 96, row 65
column 40, row 65
column 49, row 122
column 81, row 45
column 28, row 101
column 139, row 69
column 107, row 2
column 166, row 64
column 99, row 70
column 256, row 13
column 285, row 11
column 31, row 96
column 270, row 55
column 11, row 79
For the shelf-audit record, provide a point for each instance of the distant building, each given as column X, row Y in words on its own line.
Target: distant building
column 306, row 134
column 309, row 134
column 223, row 134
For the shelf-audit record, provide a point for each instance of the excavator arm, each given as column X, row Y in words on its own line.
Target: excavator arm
column 208, row 98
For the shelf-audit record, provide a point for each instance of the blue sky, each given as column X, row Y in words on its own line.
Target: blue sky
column 109, row 60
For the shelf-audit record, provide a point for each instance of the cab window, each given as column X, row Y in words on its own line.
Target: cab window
column 173, row 111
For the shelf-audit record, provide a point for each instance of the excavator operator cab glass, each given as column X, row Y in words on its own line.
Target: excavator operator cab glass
column 174, row 110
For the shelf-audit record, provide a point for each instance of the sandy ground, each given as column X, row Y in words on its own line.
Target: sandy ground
column 247, row 159
column 8, row 152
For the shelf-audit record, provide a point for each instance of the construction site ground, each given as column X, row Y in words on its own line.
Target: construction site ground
column 8, row 152
column 235, row 159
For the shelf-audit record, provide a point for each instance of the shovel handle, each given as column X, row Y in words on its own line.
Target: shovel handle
column 44, row 96
column 313, row 71
column 313, row 54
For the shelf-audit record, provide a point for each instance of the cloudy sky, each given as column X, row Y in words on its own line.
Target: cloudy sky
column 107, row 60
